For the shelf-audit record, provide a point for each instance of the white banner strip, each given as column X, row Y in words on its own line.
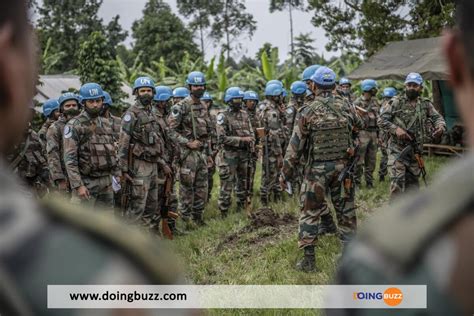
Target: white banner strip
column 236, row 296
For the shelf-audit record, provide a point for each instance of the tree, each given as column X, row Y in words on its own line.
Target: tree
column 280, row 5
column 201, row 12
column 268, row 48
column 97, row 64
column 303, row 51
column 365, row 26
column 115, row 34
column 232, row 22
column 160, row 33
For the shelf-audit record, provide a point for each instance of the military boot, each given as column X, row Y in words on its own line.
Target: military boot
column 381, row 178
column 327, row 225
column 175, row 230
column 308, row 262
column 369, row 185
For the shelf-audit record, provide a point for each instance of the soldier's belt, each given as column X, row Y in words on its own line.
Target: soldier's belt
column 147, row 157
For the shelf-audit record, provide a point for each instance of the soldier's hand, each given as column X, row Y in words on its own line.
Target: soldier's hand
column 380, row 142
column 83, row 193
column 438, row 132
column 127, row 177
column 210, row 162
column 402, row 134
column 280, row 162
column 62, row 185
column 247, row 139
column 167, row 170
column 195, row 144
column 282, row 182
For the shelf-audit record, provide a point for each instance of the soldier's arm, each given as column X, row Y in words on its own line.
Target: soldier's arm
column 128, row 123
column 385, row 120
column 71, row 158
column 297, row 144
column 174, row 123
column 435, row 117
column 222, row 133
column 53, row 153
column 351, row 114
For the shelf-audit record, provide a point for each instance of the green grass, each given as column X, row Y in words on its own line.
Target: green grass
column 267, row 255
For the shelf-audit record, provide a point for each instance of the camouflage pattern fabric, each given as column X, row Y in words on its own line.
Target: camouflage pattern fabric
column 55, row 150
column 252, row 114
column 383, row 145
column 213, row 112
column 292, row 116
column 42, row 132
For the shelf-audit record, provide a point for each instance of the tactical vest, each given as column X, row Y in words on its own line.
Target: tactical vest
column 329, row 130
column 197, row 113
column 372, row 111
column 237, row 124
column 147, row 145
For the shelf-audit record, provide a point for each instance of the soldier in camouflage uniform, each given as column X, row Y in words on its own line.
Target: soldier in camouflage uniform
column 140, row 155
column 51, row 113
column 368, row 107
column 271, row 123
column 236, row 141
column 191, row 128
column 179, row 94
column 409, row 118
column 345, row 90
column 324, row 129
column 90, row 157
column 69, row 107
column 388, row 94
column 250, row 106
column 427, row 238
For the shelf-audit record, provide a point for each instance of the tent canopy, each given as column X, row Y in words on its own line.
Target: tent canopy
column 397, row 59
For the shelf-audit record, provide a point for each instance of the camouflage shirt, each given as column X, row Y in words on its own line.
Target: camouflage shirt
column 291, row 114
column 232, row 125
column 42, row 132
column 55, row 150
column 373, row 109
column 271, row 118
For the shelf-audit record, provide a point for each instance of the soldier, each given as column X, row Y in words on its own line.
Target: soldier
column 388, row 94
column 369, row 108
column 236, row 140
column 190, row 128
column 427, row 238
column 179, row 94
column 48, row 241
column 271, row 123
column 265, row 102
column 114, row 120
column 69, row 107
column 345, row 91
column 411, row 121
column 308, row 72
column 324, row 129
column 140, row 155
column 90, row 157
column 51, row 113
column 251, row 103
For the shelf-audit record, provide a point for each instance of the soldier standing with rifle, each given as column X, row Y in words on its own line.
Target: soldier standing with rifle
column 250, row 106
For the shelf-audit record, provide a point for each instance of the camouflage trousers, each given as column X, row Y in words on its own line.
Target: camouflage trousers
column 319, row 179
column 100, row 191
column 143, row 202
column 383, row 167
column 233, row 172
column 403, row 175
column 367, row 156
column 193, row 185
column 210, row 180
column 253, row 169
column 161, row 203
column 269, row 182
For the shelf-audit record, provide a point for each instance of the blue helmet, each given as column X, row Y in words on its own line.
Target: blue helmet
column 344, row 80
column 324, row 76
column 68, row 96
column 50, row 106
column 368, row 84
column 162, row 93
column 309, row 72
column 196, row 78
column 273, row 90
column 143, row 82
column 233, row 93
column 180, row 92
column 414, row 77
column 107, row 99
column 298, row 87
column 206, row 97
column 250, row 95
column 91, row 91
column 274, row 81
column 389, row 92
column 284, row 93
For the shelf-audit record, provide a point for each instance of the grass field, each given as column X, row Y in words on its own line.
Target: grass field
column 230, row 251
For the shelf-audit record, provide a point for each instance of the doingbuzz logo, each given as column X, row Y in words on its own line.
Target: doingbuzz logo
column 391, row 296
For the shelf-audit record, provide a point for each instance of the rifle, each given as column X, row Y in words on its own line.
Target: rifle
column 347, row 174
column 412, row 149
column 126, row 185
column 248, row 180
column 165, row 208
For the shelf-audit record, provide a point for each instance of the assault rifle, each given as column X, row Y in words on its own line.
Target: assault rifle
column 412, row 150
column 347, row 174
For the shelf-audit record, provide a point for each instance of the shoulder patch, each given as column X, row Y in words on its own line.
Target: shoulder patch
column 176, row 110
column 127, row 118
column 220, row 119
column 67, row 132
column 261, row 107
column 289, row 110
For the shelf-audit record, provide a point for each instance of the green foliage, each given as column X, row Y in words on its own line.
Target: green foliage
column 97, row 64
column 50, row 60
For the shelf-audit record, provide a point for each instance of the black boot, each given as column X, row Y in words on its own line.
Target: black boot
column 308, row 262
column 327, row 225
column 381, row 178
column 175, row 230
column 369, row 185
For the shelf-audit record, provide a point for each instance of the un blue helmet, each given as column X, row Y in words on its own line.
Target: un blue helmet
column 68, row 96
column 368, row 84
column 414, row 77
column 143, row 82
column 206, row 97
column 196, row 78
column 344, row 80
column 233, row 93
column 309, row 72
column 298, row 87
column 324, row 76
column 389, row 92
column 50, row 106
column 250, row 95
column 284, row 93
column 273, row 90
column 180, row 92
column 107, row 99
column 91, row 91
column 162, row 93
column 274, row 81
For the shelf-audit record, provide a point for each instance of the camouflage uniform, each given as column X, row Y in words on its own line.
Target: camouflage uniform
column 42, row 132
column 233, row 168
column 213, row 112
column 252, row 114
column 90, row 158
column 192, row 163
column 292, row 114
column 55, row 150
column 29, row 163
column 368, row 138
column 271, row 119
column 324, row 130
column 420, row 119
column 140, row 155
column 384, row 138
column 422, row 239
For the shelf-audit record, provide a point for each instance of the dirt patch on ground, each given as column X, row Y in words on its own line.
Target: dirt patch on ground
column 265, row 224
